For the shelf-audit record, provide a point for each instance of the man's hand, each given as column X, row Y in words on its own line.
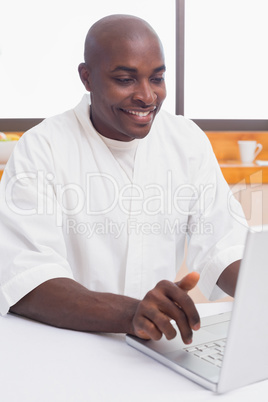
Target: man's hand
column 167, row 301
column 64, row 303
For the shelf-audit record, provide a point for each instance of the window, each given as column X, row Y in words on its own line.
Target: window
column 222, row 63
column 41, row 45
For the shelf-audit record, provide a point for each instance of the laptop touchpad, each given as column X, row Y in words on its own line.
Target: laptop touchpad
column 219, row 329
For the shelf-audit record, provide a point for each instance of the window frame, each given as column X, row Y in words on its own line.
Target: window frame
column 23, row 124
column 204, row 124
column 18, row 125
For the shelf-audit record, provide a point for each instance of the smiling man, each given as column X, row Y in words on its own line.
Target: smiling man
column 96, row 204
column 126, row 92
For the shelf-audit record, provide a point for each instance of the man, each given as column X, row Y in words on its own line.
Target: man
column 96, row 203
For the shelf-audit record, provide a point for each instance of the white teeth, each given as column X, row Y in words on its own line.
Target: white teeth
column 141, row 114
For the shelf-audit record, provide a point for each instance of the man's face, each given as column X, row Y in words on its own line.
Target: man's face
column 127, row 88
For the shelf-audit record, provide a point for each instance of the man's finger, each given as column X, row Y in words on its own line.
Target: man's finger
column 189, row 281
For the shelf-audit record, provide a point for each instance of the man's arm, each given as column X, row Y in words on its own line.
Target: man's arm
column 64, row 303
column 228, row 279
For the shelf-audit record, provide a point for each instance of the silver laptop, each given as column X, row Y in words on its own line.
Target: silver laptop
column 231, row 349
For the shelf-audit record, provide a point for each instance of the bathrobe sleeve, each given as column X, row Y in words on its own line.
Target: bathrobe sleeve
column 217, row 227
column 32, row 245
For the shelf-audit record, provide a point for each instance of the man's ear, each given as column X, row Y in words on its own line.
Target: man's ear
column 84, row 75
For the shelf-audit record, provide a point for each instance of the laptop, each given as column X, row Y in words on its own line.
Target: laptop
column 231, row 349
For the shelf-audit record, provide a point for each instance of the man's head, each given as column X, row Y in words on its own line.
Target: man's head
column 124, row 72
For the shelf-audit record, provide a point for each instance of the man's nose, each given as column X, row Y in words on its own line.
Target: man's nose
column 144, row 93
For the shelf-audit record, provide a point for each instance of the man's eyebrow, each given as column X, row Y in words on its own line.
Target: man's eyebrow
column 134, row 70
column 124, row 68
column 161, row 68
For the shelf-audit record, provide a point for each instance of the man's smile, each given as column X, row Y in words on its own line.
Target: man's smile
column 144, row 115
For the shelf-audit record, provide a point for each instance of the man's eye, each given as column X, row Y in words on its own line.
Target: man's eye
column 158, row 80
column 124, row 80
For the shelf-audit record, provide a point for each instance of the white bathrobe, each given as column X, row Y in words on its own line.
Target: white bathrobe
column 68, row 209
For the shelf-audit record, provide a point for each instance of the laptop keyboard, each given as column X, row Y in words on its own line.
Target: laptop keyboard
column 211, row 352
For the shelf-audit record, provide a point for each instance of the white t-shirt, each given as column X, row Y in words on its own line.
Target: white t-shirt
column 124, row 152
column 68, row 209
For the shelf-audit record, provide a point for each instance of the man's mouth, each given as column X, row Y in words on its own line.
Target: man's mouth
column 139, row 113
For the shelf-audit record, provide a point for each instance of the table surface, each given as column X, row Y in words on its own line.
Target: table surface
column 46, row 364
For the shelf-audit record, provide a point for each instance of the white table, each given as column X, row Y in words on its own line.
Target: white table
column 39, row 363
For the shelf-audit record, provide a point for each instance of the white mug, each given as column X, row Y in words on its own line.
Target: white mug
column 249, row 150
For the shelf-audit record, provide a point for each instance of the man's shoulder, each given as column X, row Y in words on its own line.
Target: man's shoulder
column 64, row 125
column 54, row 125
column 58, row 133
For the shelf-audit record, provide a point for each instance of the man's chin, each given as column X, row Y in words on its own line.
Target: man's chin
column 138, row 135
column 142, row 130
